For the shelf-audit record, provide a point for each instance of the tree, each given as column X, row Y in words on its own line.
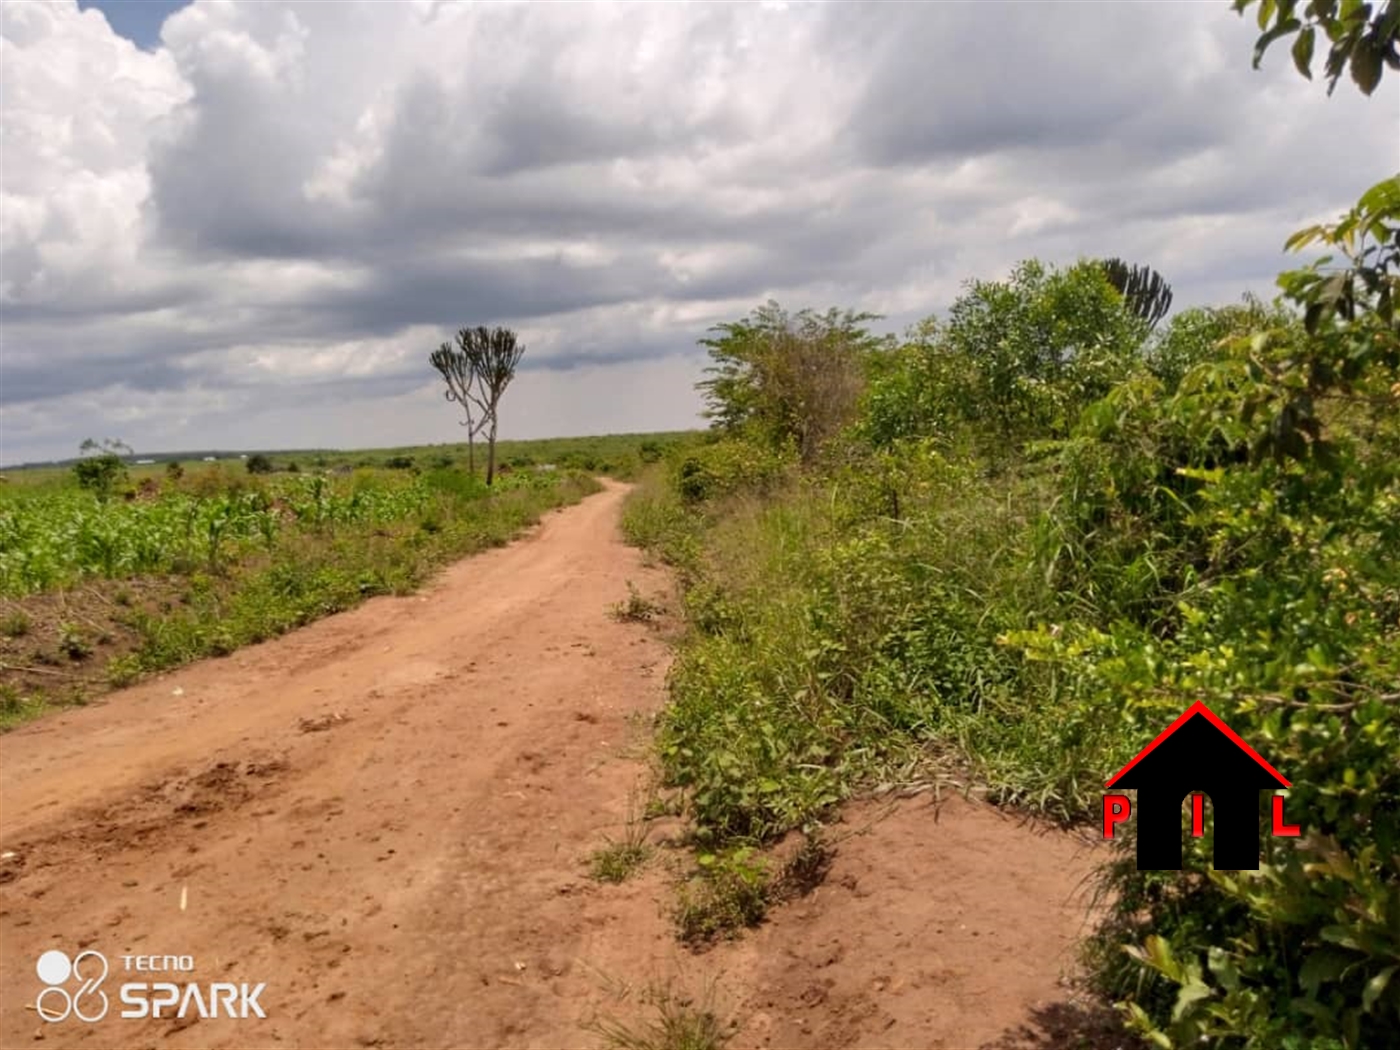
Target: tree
column 788, row 378
column 1144, row 290
column 259, row 464
column 101, row 466
column 1365, row 37
column 477, row 374
column 1039, row 347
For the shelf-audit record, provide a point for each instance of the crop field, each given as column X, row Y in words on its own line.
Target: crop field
column 188, row 559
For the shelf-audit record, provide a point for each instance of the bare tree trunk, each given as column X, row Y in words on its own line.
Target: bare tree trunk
column 491, row 455
column 471, row 453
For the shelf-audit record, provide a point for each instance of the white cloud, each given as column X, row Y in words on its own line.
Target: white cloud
column 255, row 234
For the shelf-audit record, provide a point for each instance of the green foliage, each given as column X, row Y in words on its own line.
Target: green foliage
column 680, row 1022
column 1209, row 514
column 1015, row 361
column 72, row 642
column 1196, row 335
column 1364, row 37
column 637, row 608
column 259, row 464
column 788, row 380
column 730, row 892
column 655, row 517
column 720, row 468
column 617, row 861
column 1265, row 497
column 917, row 390
column 101, row 470
column 15, row 624
column 318, row 571
column 1042, row 345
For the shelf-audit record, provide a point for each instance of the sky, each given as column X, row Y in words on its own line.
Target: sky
column 246, row 225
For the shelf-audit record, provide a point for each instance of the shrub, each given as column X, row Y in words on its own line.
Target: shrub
column 101, row 470
column 725, row 467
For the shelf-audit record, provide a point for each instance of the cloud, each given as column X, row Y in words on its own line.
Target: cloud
column 256, row 232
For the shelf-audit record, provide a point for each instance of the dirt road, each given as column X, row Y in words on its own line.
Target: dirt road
column 383, row 818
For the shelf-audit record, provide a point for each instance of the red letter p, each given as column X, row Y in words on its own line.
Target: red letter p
column 1116, row 809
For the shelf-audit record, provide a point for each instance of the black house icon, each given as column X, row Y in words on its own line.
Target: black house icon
column 1198, row 752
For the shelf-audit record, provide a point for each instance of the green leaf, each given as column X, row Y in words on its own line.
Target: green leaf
column 1303, row 238
column 1384, row 196
column 1366, row 66
column 1322, row 966
column 1284, row 27
column 1189, row 994
column 1340, row 935
column 1303, row 51
column 1224, row 969
column 1375, row 986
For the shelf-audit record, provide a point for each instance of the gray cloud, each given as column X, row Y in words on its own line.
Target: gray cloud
column 263, row 227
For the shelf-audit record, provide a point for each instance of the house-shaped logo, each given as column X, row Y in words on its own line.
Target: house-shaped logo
column 1197, row 755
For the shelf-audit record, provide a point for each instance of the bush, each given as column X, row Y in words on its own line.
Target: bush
column 1209, row 516
column 101, row 470
column 728, row 466
column 259, row 464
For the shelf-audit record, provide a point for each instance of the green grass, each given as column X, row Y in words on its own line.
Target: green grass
column 128, row 589
column 677, row 1021
column 620, row 859
column 616, row 455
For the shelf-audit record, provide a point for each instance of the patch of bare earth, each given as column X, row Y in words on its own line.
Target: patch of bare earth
column 386, row 817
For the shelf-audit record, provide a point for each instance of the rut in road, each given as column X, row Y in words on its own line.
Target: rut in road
column 384, row 818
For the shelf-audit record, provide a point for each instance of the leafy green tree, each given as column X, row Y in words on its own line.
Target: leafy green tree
column 102, row 468
column 1041, row 346
column 788, row 378
column 259, row 464
column 477, row 373
column 1198, row 334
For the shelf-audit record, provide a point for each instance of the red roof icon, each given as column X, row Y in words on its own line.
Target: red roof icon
column 1191, row 712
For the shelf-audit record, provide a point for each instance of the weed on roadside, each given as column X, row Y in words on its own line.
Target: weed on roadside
column 637, row 608
column 679, row 1022
column 620, row 859
column 15, row 624
column 731, row 892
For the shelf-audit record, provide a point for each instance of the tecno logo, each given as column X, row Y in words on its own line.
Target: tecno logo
column 88, row 969
column 73, row 989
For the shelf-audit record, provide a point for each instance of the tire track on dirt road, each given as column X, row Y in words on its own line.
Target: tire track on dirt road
column 383, row 817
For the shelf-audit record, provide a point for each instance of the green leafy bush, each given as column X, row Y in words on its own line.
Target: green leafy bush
column 1212, row 515
column 721, row 468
